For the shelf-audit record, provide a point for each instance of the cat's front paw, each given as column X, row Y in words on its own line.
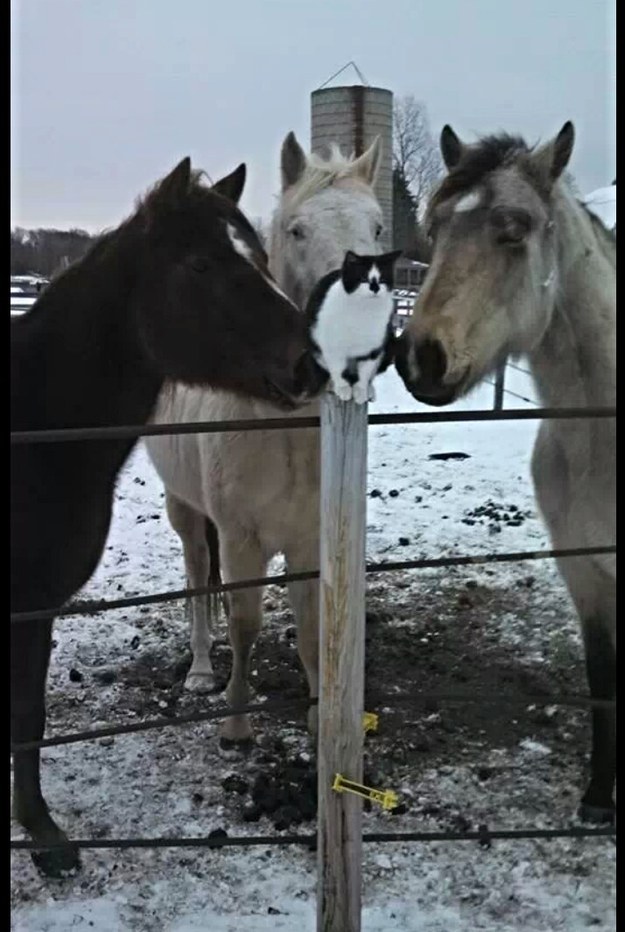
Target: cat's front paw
column 361, row 394
column 343, row 391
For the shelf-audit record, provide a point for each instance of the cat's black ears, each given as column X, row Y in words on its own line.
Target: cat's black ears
column 391, row 257
column 350, row 258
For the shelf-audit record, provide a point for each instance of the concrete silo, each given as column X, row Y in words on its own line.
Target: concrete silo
column 352, row 117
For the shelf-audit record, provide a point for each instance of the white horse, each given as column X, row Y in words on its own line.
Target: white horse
column 261, row 489
column 520, row 266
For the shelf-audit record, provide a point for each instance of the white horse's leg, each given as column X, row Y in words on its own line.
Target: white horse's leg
column 190, row 527
column 241, row 558
column 304, row 598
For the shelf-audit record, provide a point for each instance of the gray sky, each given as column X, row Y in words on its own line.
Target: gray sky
column 107, row 95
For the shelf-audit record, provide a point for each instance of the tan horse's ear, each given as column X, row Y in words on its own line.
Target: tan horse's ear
column 551, row 159
column 452, row 148
column 231, row 186
column 292, row 161
column 367, row 165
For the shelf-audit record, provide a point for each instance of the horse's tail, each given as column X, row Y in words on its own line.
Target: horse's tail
column 215, row 599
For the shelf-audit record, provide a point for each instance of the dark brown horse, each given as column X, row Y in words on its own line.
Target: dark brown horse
column 179, row 291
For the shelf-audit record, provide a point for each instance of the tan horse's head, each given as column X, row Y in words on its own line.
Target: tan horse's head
column 490, row 288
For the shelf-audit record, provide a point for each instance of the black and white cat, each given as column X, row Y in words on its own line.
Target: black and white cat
column 350, row 323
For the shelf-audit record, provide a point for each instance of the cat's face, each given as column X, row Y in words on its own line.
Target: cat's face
column 369, row 275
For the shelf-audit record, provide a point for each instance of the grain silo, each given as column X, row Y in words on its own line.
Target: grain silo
column 352, row 117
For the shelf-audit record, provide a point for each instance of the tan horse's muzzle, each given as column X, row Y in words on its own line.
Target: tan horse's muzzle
column 422, row 365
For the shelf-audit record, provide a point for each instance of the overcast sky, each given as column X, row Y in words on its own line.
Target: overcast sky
column 107, row 95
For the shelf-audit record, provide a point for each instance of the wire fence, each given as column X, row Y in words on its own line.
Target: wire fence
column 483, row 835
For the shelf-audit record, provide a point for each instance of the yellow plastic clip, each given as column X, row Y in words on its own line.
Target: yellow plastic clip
column 387, row 798
column 370, row 721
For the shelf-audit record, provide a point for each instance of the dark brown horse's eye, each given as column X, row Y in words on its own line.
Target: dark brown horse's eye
column 198, row 264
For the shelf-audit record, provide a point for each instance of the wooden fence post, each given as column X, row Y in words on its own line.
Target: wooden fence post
column 342, row 661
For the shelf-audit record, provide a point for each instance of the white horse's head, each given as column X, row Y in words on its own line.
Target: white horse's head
column 326, row 207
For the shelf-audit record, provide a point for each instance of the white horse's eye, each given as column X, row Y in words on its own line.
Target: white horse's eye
column 296, row 232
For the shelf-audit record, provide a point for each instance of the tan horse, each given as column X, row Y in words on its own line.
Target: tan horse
column 521, row 266
column 261, row 489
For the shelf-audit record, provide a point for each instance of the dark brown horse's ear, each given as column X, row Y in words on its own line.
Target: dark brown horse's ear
column 292, row 161
column 232, row 185
column 451, row 147
column 175, row 186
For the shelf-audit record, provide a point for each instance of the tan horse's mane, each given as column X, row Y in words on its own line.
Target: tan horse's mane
column 498, row 151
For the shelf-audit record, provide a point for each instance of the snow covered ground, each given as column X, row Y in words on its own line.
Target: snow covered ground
column 504, row 628
column 603, row 203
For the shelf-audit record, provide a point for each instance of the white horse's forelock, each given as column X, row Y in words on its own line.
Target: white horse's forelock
column 320, row 173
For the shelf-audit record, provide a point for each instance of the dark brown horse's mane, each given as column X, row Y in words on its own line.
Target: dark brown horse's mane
column 108, row 236
column 477, row 161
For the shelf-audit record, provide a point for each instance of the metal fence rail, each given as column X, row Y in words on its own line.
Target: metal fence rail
column 276, row 706
column 483, row 835
column 124, row 432
column 95, row 606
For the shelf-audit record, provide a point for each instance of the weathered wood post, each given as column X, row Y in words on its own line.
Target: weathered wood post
column 342, row 661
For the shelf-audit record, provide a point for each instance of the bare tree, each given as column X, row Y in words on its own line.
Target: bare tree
column 416, row 156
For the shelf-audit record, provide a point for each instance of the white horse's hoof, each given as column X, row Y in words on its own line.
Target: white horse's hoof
column 371, row 393
column 237, row 728
column 200, row 682
column 360, row 394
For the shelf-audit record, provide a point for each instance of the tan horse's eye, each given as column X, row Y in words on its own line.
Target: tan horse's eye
column 511, row 225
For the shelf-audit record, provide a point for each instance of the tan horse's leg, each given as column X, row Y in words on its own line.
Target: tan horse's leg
column 190, row 527
column 594, row 593
column 304, row 597
column 241, row 558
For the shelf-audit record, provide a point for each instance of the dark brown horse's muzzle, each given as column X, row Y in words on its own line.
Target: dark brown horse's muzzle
column 310, row 378
column 303, row 385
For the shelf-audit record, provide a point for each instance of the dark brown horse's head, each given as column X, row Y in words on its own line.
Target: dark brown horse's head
column 208, row 310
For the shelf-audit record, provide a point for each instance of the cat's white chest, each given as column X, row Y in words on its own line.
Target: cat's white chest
column 354, row 324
